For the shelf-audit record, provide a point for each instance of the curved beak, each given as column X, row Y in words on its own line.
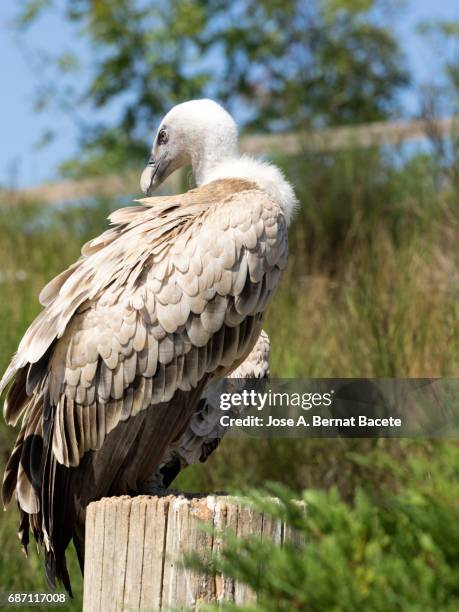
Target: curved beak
column 154, row 173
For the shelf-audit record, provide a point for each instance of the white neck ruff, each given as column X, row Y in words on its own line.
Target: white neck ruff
column 268, row 177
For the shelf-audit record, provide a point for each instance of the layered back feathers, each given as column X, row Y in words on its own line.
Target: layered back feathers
column 170, row 297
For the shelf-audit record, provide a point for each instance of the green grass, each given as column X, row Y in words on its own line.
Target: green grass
column 371, row 290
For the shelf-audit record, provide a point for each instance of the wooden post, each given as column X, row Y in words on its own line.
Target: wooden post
column 134, row 547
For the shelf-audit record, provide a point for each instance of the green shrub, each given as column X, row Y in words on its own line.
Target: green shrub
column 393, row 552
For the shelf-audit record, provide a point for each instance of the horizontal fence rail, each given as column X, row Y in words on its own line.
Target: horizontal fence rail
column 329, row 139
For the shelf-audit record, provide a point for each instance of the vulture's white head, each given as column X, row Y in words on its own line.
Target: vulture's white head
column 199, row 132
column 203, row 134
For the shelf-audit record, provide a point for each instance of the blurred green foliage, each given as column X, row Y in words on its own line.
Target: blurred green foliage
column 286, row 64
column 443, row 35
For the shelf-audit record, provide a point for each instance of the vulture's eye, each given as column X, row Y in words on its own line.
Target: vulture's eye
column 162, row 137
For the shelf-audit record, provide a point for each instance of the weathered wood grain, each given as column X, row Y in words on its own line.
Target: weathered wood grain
column 135, row 548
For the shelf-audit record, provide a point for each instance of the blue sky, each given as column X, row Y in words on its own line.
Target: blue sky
column 23, row 165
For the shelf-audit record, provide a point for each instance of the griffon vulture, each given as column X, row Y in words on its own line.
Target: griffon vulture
column 108, row 376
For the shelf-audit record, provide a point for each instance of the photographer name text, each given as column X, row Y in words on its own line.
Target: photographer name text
column 313, row 421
